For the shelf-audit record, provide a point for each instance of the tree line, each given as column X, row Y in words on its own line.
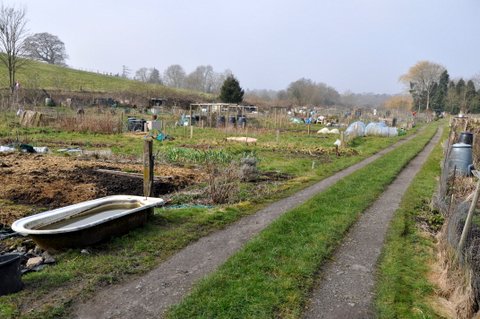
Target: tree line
column 300, row 92
column 431, row 88
column 202, row 79
column 308, row 92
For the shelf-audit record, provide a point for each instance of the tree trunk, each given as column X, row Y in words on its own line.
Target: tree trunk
column 428, row 100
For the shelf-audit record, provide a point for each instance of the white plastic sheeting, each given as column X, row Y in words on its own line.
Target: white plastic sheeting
column 355, row 129
column 324, row 131
column 380, row 129
column 327, row 131
column 5, row 149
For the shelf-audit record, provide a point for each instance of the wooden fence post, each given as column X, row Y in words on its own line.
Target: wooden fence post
column 148, row 167
column 468, row 221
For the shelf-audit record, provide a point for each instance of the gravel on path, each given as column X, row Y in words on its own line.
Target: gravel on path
column 346, row 284
column 150, row 295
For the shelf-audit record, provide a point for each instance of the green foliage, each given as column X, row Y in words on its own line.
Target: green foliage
column 231, row 92
column 8, row 309
column 193, row 156
column 453, row 102
column 439, row 95
column 462, row 97
column 472, row 98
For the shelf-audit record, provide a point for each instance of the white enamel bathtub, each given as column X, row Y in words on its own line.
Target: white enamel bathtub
column 88, row 222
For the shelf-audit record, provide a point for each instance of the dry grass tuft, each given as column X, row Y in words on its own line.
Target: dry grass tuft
column 455, row 295
column 223, row 183
column 464, row 188
column 98, row 123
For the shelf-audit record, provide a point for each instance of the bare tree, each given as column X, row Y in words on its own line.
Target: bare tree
column 148, row 75
column 421, row 79
column 46, row 47
column 142, row 74
column 174, row 76
column 305, row 91
column 201, row 79
column 218, row 79
column 12, row 36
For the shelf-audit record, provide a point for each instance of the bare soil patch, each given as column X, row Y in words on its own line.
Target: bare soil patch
column 35, row 182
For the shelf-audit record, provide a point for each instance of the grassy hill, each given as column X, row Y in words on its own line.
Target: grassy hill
column 34, row 76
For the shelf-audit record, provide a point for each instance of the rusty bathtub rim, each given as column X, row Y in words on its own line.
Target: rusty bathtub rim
column 27, row 225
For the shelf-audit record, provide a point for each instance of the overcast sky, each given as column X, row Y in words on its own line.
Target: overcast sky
column 357, row 45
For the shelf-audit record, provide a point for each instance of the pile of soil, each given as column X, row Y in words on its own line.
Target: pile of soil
column 35, row 182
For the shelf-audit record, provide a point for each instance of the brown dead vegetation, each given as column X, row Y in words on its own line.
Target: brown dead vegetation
column 455, row 296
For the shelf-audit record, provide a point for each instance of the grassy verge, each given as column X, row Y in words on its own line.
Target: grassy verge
column 402, row 285
column 37, row 75
column 271, row 276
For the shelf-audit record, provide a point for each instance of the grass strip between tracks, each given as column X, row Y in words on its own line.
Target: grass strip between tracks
column 403, row 287
column 272, row 275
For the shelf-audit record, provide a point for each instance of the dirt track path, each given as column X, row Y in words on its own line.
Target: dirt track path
column 149, row 296
column 346, row 287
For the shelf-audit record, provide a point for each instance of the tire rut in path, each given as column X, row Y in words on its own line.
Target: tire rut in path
column 346, row 285
column 150, row 295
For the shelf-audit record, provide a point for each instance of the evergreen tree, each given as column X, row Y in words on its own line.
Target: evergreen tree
column 471, row 98
column 439, row 97
column 453, row 105
column 460, row 92
column 231, row 92
column 154, row 76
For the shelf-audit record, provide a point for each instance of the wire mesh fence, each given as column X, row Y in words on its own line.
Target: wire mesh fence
column 454, row 199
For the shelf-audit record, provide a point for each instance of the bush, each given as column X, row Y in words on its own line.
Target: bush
column 223, row 183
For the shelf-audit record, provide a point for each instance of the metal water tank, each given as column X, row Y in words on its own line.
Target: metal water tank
column 461, row 158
